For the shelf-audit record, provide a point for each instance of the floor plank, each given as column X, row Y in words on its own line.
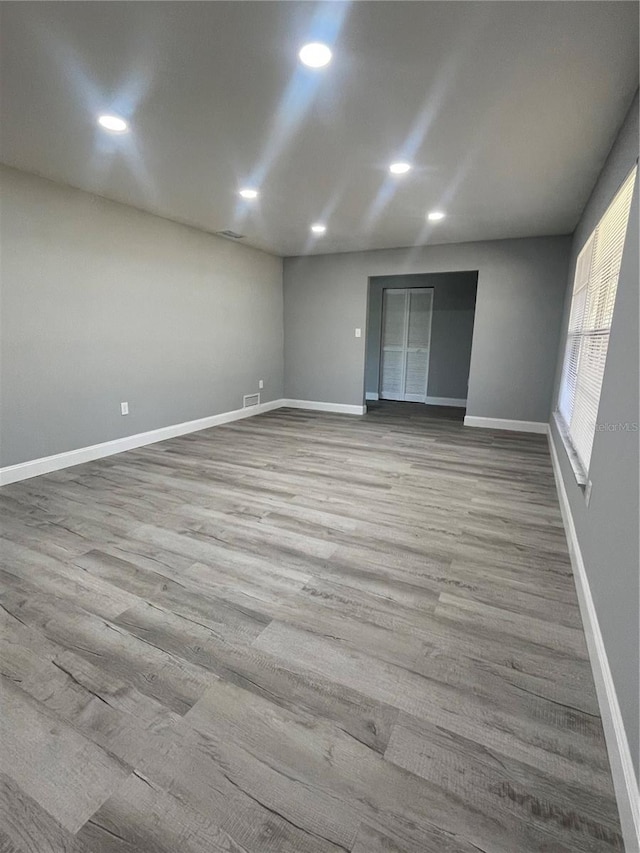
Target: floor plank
column 57, row 767
column 141, row 818
column 28, row 828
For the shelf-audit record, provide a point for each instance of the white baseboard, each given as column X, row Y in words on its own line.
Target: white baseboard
column 47, row 464
column 504, row 423
column 458, row 402
column 313, row 405
column 35, row 467
column 624, row 777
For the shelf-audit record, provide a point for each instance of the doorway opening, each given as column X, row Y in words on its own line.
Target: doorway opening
column 418, row 345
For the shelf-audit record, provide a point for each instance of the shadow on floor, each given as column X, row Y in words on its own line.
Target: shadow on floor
column 414, row 411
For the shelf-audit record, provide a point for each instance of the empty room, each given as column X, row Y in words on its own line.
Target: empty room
column 319, row 458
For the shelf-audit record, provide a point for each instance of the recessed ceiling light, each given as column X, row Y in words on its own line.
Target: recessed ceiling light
column 318, row 228
column 114, row 124
column 399, row 168
column 247, row 192
column 315, row 55
column 435, row 216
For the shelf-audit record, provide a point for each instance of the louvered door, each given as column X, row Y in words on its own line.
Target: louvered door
column 420, row 306
column 406, row 338
column 393, row 344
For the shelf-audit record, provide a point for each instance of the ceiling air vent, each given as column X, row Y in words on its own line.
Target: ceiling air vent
column 250, row 400
column 233, row 235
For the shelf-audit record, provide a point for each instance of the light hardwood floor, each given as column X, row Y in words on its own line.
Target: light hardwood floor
column 299, row 633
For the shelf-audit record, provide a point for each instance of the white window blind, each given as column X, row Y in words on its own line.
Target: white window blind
column 594, row 295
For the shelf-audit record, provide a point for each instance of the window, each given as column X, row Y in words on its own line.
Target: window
column 594, row 295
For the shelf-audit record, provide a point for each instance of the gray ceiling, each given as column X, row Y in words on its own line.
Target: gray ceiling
column 507, row 110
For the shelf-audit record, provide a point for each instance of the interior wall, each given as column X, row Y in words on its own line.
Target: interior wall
column 102, row 303
column 607, row 529
column 518, row 313
column 454, row 300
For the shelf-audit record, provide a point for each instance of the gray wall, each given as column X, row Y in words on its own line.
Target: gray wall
column 521, row 286
column 608, row 528
column 102, row 303
column 454, row 301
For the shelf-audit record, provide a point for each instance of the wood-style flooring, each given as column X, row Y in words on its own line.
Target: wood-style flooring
column 299, row 633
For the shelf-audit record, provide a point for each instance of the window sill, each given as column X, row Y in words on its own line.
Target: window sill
column 576, row 466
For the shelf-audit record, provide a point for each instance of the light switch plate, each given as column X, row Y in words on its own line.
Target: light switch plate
column 124, row 408
column 358, row 333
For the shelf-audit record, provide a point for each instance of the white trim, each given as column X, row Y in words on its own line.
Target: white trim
column 458, row 402
column 315, row 406
column 46, row 464
column 504, row 423
column 622, row 771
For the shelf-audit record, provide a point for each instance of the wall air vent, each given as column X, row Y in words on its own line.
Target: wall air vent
column 232, row 235
column 250, row 400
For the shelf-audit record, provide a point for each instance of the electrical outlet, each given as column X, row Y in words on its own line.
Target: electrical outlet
column 587, row 492
column 261, row 383
column 124, row 408
column 358, row 333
